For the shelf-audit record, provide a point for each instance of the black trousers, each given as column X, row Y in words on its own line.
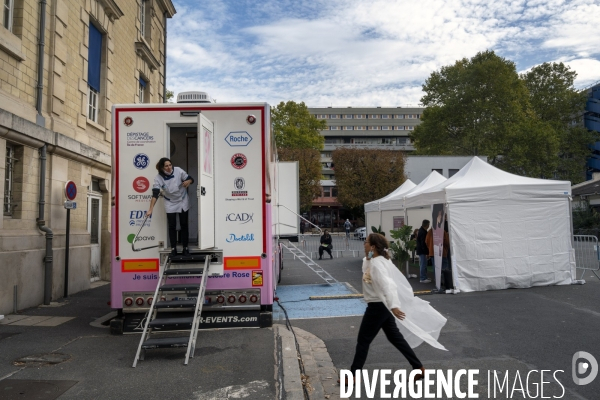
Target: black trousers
column 327, row 249
column 379, row 317
column 183, row 223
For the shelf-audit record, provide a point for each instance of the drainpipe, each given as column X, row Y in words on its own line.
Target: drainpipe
column 39, row 119
column 42, row 226
column 165, row 64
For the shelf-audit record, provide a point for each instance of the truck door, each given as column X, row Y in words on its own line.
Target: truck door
column 206, row 191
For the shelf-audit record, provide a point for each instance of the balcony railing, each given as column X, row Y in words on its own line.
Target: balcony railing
column 333, row 146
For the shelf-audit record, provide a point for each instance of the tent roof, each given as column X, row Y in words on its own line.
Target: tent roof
column 407, row 186
column 397, row 202
column 479, row 181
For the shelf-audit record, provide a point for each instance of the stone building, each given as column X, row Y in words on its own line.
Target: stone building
column 63, row 64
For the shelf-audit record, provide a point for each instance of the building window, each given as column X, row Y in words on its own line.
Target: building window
column 409, row 128
column 334, row 128
column 143, row 18
column 388, row 140
column 438, row 170
column 348, row 128
column 386, row 128
column 334, row 191
column 334, row 141
column 94, row 69
column 360, row 116
column 8, row 180
column 334, row 116
column 399, row 116
column 360, row 128
column 374, row 128
column 399, row 128
column 321, row 116
column 8, row 10
column 348, row 116
column 326, row 191
column 452, row 172
column 142, row 90
column 385, row 116
column 418, row 116
column 374, row 116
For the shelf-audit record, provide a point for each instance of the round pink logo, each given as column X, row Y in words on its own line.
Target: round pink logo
column 141, row 184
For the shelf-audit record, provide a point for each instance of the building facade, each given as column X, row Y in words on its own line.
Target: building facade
column 63, row 64
column 592, row 122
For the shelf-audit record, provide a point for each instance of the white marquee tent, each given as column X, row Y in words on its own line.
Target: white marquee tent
column 506, row 231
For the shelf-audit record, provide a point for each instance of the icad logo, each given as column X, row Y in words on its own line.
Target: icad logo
column 237, row 139
column 239, row 183
column 581, row 367
column 248, row 237
column 141, row 161
column 244, row 218
column 141, row 184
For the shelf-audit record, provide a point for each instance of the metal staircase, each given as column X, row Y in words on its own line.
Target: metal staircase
column 310, row 263
column 189, row 309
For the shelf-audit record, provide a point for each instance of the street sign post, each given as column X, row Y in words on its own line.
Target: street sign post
column 70, row 193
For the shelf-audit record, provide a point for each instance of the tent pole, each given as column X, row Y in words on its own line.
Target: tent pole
column 452, row 253
column 572, row 252
column 406, row 223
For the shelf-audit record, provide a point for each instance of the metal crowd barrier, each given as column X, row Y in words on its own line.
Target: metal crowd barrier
column 342, row 246
column 587, row 254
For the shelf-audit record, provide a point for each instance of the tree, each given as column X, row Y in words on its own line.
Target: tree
column 364, row 175
column 556, row 102
column 295, row 128
column 309, row 167
column 169, row 96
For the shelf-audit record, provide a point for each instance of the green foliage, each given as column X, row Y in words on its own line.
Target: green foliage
column 524, row 124
column 364, row 175
column 378, row 230
column 585, row 217
column 402, row 245
column 294, row 127
column 309, row 171
column 170, row 96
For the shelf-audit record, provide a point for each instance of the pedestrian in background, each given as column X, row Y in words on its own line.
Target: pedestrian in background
column 347, row 225
column 423, row 251
column 326, row 244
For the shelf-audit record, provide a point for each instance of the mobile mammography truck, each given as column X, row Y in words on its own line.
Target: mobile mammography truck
column 229, row 151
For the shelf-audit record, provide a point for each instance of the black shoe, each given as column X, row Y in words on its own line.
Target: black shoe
column 186, row 252
column 331, row 257
column 320, row 258
column 174, row 252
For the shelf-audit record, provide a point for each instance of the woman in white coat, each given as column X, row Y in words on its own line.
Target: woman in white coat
column 173, row 181
column 406, row 320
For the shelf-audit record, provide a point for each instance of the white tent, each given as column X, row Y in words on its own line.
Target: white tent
column 506, row 231
column 372, row 213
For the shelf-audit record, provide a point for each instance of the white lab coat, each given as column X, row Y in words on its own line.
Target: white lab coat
column 176, row 197
column 387, row 284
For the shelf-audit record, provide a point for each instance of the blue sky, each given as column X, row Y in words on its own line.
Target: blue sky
column 365, row 53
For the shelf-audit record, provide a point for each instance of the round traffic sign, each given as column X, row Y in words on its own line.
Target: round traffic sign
column 71, row 190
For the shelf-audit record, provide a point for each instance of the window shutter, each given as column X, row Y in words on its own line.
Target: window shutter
column 94, row 58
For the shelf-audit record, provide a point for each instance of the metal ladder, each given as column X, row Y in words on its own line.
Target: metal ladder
column 197, row 264
column 310, row 263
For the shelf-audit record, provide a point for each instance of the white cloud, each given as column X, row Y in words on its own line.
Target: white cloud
column 350, row 53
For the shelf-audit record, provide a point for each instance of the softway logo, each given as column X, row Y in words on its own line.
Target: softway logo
column 238, row 139
column 581, row 367
column 244, row 218
column 248, row 237
column 141, row 184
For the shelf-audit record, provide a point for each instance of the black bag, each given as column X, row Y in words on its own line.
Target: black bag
column 447, row 278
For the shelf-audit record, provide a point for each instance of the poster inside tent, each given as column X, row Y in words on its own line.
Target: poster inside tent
column 437, row 227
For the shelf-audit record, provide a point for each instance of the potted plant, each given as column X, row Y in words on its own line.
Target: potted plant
column 401, row 245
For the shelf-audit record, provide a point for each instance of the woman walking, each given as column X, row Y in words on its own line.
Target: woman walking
column 407, row 321
column 173, row 181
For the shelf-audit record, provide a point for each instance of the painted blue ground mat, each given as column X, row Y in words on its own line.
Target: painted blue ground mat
column 295, row 299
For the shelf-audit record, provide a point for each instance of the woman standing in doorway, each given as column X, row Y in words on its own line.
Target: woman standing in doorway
column 173, row 181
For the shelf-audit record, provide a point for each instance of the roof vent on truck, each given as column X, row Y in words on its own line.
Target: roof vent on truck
column 194, row 97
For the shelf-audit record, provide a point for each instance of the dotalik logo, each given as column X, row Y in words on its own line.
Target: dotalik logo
column 581, row 368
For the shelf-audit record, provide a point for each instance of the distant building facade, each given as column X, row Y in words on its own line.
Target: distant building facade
column 58, row 101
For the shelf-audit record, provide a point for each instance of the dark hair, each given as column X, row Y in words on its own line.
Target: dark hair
column 425, row 222
column 160, row 166
column 380, row 243
column 437, row 208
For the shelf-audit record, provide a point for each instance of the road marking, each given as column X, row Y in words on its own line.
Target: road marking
column 34, row 320
column 236, row 392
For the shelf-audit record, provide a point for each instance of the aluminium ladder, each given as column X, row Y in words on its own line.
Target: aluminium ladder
column 195, row 265
column 310, row 263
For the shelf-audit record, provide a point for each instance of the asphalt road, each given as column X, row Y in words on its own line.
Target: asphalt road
column 507, row 330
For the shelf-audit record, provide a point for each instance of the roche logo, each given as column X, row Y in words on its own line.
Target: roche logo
column 238, row 139
column 243, row 218
column 239, row 183
column 141, row 161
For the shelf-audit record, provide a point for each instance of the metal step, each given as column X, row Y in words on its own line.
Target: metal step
column 176, row 304
column 175, row 287
column 162, row 343
column 185, row 271
column 180, row 322
column 310, row 263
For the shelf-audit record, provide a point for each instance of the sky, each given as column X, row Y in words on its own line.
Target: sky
column 365, row 53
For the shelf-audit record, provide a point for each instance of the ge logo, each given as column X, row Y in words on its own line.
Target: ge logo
column 141, row 184
column 141, row 161
column 581, row 368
